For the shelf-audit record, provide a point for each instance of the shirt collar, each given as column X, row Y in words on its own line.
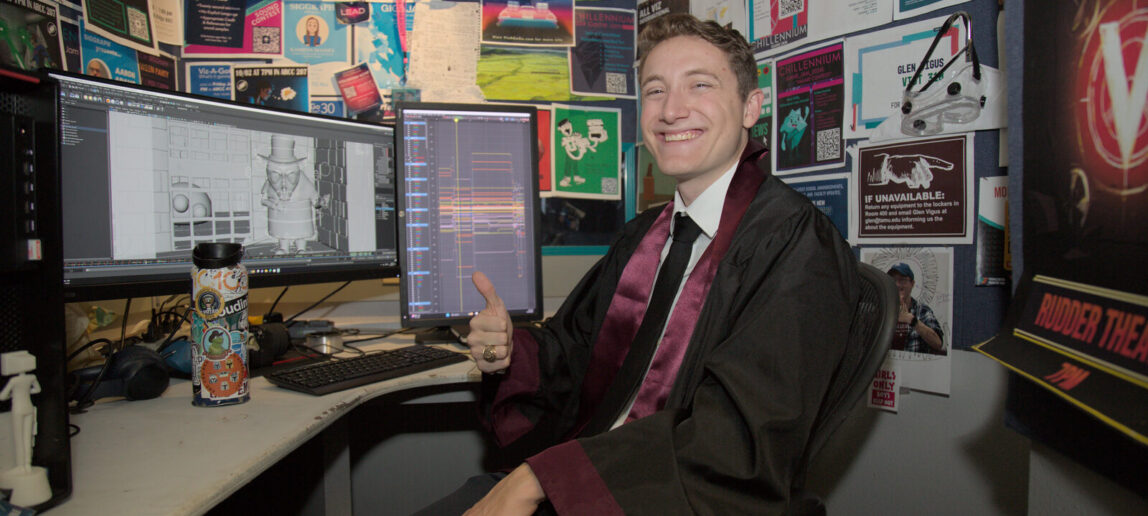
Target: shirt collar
column 706, row 209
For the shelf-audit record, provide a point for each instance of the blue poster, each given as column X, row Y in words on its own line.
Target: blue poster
column 381, row 44
column 830, row 193
column 329, row 107
column 284, row 87
column 313, row 34
column 104, row 58
column 209, row 79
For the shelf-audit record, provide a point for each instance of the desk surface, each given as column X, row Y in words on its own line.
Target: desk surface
column 167, row 456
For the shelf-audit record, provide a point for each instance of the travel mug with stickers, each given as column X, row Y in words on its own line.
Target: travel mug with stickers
column 218, row 325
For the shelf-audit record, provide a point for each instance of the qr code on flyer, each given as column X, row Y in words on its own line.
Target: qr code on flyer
column 787, row 8
column 616, row 83
column 610, row 185
column 829, row 144
column 137, row 25
column 266, row 40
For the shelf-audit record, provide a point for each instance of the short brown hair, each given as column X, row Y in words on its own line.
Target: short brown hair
column 729, row 41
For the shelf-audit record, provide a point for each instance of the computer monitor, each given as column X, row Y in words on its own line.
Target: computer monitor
column 147, row 174
column 467, row 201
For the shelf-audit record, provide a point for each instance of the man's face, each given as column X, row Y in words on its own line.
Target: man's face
column 904, row 285
column 693, row 118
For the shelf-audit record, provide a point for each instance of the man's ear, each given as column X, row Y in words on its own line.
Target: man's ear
column 752, row 108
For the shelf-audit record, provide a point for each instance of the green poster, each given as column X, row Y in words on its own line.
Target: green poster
column 587, row 152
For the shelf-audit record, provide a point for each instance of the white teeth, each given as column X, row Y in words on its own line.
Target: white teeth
column 679, row 137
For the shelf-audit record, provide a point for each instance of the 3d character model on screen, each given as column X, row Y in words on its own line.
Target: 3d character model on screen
column 290, row 197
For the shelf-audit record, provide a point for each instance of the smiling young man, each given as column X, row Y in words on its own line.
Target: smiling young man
column 717, row 416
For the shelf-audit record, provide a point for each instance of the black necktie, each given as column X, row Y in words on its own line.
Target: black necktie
column 646, row 340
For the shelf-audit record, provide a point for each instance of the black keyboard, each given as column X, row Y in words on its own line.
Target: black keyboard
column 341, row 374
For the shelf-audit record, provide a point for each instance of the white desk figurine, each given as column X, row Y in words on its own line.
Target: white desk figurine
column 29, row 484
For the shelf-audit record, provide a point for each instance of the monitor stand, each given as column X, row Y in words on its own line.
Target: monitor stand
column 442, row 334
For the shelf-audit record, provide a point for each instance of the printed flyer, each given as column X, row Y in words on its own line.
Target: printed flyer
column 31, row 35
column 234, row 28
column 587, row 151
column 276, row 86
column 809, row 110
column 211, row 79
column 127, row 22
column 915, row 191
column 776, row 25
column 829, row 193
column 510, row 22
column 602, row 60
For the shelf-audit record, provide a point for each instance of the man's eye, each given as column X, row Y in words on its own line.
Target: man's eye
column 702, row 85
column 652, row 91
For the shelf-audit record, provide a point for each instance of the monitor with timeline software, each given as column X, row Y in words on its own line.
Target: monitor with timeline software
column 467, row 201
column 147, row 174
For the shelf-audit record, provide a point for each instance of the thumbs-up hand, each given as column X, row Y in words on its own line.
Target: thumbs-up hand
column 491, row 333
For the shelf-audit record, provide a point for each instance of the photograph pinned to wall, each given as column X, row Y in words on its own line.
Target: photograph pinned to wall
column 994, row 262
column 349, row 13
column 444, row 51
column 587, row 152
column 962, row 95
column 915, row 191
column 904, row 9
column 776, row 26
column 829, row 193
column 515, row 22
column 283, row 87
column 881, row 65
column 358, row 89
column 127, row 22
column 31, row 35
column 381, row 43
column 602, row 59
column 209, row 78
column 809, row 110
column 545, row 145
column 727, row 13
column 531, row 74
column 762, row 130
column 654, row 187
column 923, row 337
column 233, row 29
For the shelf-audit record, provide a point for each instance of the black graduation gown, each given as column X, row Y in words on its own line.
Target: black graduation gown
column 737, row 421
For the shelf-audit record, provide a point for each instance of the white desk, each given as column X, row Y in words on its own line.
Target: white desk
column 167, row 456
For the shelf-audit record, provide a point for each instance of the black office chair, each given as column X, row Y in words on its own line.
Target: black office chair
column 870, row 335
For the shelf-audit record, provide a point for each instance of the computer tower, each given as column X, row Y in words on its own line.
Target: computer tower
column 31, row 262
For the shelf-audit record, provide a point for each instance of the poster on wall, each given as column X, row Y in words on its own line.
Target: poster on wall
column 882, row 63
column 809, row 110
column 923, row 337
column 915, row 191
column 283, row 87
column 545, row 144
column 314, row 36
column 381, row 42
column 762, row 130
column 1077, row 323
column 829, row 193
column 211, row 79
column 587, row 152
column 727, row 13
column 510, row 22
column 903, row 9
column 994, row 265
column 233, row 29
column 127, row 22
column 775, row 26
column 602, row 58
column 31, row 35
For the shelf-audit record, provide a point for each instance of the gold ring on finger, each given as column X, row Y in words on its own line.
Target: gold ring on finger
column 488, row 353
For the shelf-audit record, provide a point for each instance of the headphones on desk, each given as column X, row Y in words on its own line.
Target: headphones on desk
column 135, row 373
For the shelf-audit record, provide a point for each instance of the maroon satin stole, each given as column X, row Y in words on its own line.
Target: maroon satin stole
column 630, row 299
